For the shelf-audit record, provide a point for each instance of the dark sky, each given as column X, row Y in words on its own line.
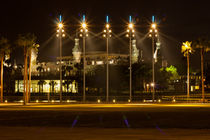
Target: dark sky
column 178, row 21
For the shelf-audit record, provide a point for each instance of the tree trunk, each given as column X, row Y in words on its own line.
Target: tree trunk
column 42, row 88
column 202, row 78
column 52, row 87
column 67, row 87
column 2, row 84
column 29, row 92
column 48, row 94
column 24, row 81
column 39, row 88
column 18, row 85
column 188, row 76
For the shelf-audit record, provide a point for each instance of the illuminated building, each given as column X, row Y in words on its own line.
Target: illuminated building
column 45, row 75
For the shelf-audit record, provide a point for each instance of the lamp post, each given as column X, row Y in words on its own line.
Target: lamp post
column 130, row 34
column 84, row 34
column 107, row 35
column 153, row 35
column 60, row 35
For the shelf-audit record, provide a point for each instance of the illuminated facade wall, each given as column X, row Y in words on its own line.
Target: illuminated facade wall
column 46, row 86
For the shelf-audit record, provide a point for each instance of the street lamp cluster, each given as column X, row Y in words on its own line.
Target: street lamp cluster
column 153, row 33
column 107, row 33
column 84, row 34
column 130, row 34
column 60, row 31
column 60, row 34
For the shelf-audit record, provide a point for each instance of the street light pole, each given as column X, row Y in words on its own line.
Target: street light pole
column 130, row 54
column 107, row 69
column 84, row 69
column 130, row 34
column 153, row 35
column 61, row 90
column 107, row 34
column 153, row 68
column 60, row 34
column 84, row 35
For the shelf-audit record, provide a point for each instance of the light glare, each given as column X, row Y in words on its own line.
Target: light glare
column 130, row 25
column 107, row 26
column 60, row 25
column 154, row 25
column 84, row 25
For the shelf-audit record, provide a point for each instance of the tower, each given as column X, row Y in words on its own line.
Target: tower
column 76, row 51
column 34, row 53
column 135, row 52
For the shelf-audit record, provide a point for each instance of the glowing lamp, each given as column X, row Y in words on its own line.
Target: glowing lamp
column 130, row 25
column 84, row 25
column 154, row 25
column 60, row 25
column 107, row 26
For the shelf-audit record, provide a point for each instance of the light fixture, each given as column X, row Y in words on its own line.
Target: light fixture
column 130, row 25
column 84, row 25
column 154, row 25
column 107, row 26
column 98, row 100
column 60, row 25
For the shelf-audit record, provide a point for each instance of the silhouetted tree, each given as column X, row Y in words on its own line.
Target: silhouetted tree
column 4, row 50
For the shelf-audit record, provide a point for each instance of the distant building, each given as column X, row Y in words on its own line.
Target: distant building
column 45, row 75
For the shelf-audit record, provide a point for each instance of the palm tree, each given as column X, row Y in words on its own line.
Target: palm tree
column 186, row 50
column 67, row 83
column 26, row 41
column 68, row 70
column 4, row 50
column 204, row 45
column 40, row 69
column 41, row 83
column 34, row 47
column 52, row 85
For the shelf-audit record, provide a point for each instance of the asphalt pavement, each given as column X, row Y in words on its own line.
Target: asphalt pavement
column 103, row 121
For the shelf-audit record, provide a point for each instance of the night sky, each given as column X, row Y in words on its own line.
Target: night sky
column 178, row 21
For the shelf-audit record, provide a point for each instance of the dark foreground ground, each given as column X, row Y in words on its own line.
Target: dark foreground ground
column 104, row 121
